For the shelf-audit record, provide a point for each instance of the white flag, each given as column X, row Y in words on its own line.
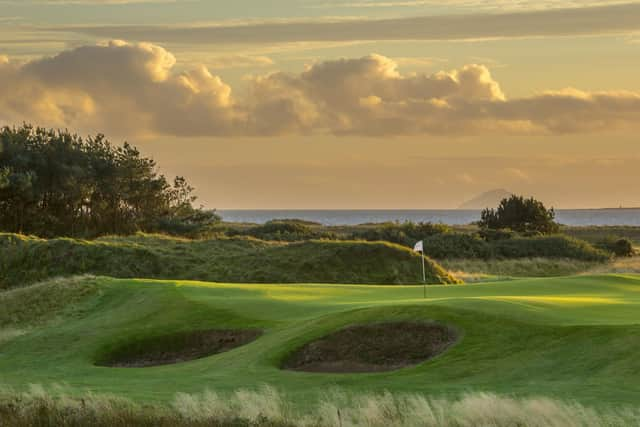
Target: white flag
column 419, row 247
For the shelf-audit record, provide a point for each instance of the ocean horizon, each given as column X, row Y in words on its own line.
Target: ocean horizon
column 574, row 217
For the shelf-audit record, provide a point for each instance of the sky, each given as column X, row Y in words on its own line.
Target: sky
column 343, row 104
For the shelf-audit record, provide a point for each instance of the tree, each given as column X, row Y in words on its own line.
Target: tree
column 54, row 183
column 520, row 214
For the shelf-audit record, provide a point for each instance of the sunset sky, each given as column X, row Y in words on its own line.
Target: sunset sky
column 390, row 104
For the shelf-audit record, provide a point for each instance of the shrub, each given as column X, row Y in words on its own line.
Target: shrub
column 196, row 224
column 459, row 245
column 547, row 247
column 490, row 235
column 407, row 233
column 521, row 215
column 456, row 245
column 620, row 247
column 286, row 231
column 623, row 247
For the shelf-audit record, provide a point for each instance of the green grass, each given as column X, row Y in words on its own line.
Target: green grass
column 25, row 260
column 566, row 338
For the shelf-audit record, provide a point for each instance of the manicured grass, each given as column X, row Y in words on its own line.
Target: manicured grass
column 569, row 338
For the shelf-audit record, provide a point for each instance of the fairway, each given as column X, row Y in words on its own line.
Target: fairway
column 574, row 338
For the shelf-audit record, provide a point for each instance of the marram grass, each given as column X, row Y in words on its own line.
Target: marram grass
column 266, row 406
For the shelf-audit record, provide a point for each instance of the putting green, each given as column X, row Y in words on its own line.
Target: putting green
column 569, row 338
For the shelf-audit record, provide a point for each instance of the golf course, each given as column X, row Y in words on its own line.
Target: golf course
column 573, row 338
column 123, row 303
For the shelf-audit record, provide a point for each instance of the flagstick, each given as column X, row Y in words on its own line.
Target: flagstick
column 424, row 277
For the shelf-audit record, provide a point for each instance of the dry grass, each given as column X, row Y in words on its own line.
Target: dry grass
column 619, row 265
column 477, row 270
column 267, row 407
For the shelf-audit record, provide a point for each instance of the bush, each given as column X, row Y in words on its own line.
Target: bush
column 459, row 245
column 456, row 245
column 623, row 247
column 198, row 223
column 547, row 247
column 407, row 233
column 620, row 247
column 286, row 231
column 521, row 215
column 491, row 235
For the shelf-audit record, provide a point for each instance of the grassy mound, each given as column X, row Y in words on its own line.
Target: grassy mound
column 25, row 260
column 469, row 246
column 42, row 302
column 373, row 347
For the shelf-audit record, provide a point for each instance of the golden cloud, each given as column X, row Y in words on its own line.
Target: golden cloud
column 135, row 89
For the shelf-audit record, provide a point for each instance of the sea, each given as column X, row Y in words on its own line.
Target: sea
column 576, row 217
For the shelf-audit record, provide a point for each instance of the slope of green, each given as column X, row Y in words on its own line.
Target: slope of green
column 25, row 260
column 569, row 338
column 37, row 304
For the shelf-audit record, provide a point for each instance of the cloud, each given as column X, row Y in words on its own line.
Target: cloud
column 239, row 61
column 468, row 4
column 517, row 174
column 607, row 19
column 86, row 2
column 119, row 87
column 135, row 89
column 364, row 96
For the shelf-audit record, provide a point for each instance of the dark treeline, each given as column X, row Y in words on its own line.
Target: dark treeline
column 54, row 183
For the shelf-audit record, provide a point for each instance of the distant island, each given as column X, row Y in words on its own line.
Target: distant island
column 488, row 199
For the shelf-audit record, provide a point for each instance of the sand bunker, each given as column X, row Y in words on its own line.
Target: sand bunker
column 373, row 347
column 179, row 348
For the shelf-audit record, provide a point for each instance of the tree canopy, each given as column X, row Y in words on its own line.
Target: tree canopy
column 55, row 183
column 520, row 214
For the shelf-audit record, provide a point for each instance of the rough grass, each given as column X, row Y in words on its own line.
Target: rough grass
column 268, row 407
column 619, row 265
column 36, row 304
column 596, row 234
column 475, row 270
column 25, row 260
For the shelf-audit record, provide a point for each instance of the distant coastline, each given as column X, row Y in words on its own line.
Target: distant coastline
column 621, row 216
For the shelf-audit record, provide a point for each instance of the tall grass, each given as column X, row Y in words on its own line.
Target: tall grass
column 619, row 265
column 25, row 260
column 268, row 407
column 473, row 270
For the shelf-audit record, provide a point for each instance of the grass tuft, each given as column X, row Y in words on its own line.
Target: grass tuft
column 268, row 407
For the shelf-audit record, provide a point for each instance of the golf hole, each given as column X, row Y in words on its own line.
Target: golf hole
column 177, row 348
column 374, row 347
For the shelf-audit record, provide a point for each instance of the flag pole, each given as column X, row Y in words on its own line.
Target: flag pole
column 419, row 247
column 424, row 276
